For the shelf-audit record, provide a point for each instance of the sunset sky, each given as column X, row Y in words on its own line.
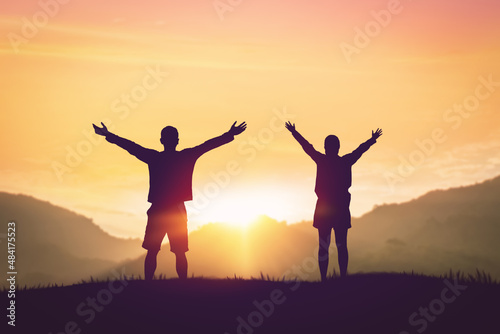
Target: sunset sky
column 426, row 72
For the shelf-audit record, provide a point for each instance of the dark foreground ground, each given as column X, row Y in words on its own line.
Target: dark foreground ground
column 369, row 303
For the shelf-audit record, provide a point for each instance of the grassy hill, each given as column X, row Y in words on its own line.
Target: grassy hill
column 369, row 303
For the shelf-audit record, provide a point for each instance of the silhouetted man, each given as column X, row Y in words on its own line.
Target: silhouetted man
column 333, row 179
column 170, row 185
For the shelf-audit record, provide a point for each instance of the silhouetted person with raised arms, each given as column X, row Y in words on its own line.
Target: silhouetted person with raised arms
column 170, row 185
column 333, row 179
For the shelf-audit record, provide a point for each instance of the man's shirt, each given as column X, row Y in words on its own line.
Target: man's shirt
column 170, row 172
column 334, row 173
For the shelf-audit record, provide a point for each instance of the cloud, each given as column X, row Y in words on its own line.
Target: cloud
column 472, row 162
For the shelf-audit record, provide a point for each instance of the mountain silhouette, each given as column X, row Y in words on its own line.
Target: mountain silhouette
column 54, row 244
column 454, row 229
column 448, row 229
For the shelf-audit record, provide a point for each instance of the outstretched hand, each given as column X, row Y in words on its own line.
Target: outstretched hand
column 377, row 133
column 237, row 129
column 101, row 131
column 290, row 127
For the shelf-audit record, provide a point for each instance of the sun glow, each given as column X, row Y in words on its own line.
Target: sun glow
column 241, row 210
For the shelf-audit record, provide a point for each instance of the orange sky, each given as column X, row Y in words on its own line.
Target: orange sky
column 261, row 60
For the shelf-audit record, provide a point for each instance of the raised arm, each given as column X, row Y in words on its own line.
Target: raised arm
column 136, row 150
column 356, row 154
column 308, row 148
column 222, row 139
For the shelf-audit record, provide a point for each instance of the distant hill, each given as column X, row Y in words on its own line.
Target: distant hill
column 218, row 250
column 369, row 303
column 455, row 229
column 57, row 245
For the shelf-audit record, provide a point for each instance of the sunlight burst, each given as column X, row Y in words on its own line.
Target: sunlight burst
column 241, row 211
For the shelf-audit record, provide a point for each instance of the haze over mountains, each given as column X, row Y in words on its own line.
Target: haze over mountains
column 456, row 229
column 57, row 245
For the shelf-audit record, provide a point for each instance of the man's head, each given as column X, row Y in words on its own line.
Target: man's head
column 332, row 145
column 169, row 137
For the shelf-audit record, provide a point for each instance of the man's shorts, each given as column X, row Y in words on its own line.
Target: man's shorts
column 170, row 220
column 332, row 214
